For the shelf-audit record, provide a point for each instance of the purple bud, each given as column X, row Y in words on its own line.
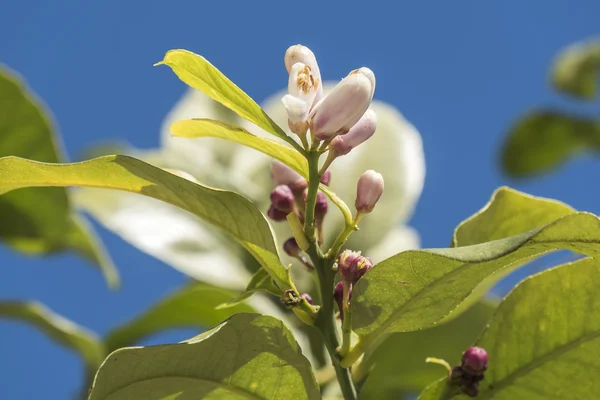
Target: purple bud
column 298, row 186
column 471, row 389
column 275, row 214
column 368, row 191
column 337, row 112
column 291, row 248
column 474, row 360
column 360, row 132
column 308, row 299
column 338, row 296
column 283, row 175
column 282, row 198
column 352, row 265
column 326, row 178
column 321, row 205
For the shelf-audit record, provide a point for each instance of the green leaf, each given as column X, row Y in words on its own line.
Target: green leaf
column 40, row 221
column 543, row 346
column 576, row 70
column 229, row 211
column 417, row 289
column 248, row 356
column 437, row 390
column 62, row 331
column 261, row 281
column 192, row 306
column 544, row 139
column 196, row 128
column 399, row 362
column 198, row 73
column 509, row 212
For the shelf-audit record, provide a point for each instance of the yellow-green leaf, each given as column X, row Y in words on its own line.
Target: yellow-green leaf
column 196, row 128
column 229, row 211
column 200, row 74
column 192, row 306
column 576, row 70
column 246, row 357
column 63, row 331
column 38, row 221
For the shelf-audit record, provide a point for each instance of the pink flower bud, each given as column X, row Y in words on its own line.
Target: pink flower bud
column 360, row 132
column 338, row 296
column 308, row 298
column 368, row 191
column 474, row 360
column 326, row 178
column 282, row 198
column 291, row 248
column 275, row 214
column 281, row 174
column 302, row 54
column 341, row 109
column 321, row 205
column 352, row 265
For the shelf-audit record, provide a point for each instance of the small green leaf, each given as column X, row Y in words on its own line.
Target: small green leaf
column 576, row 70
column 196, row 128
column 417, row 289
column 509, row 212
column 399, row 362
column 200, row 74
column 261, row 281
column 229, row 211
column 544, row 139
column 544, row 340
column 248, row 356
column 64, row 332
column 437, row 390
column 40, row 221
column 192, row 306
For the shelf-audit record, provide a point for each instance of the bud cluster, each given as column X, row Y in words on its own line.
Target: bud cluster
column 351, row 266
column 470, row 372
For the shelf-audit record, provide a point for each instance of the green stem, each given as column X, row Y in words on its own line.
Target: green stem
column 341, row 239
column 347, row 322
column 313, row 187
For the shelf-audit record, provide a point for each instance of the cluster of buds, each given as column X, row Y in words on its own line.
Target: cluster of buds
column 351, row 266
column 470, row 372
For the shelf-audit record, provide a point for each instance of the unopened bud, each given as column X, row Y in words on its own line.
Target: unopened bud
column 338, row 295
column 308, row 299
column 302, row 54
column 360, row 132
column 368, row 191
column 281, row 174
column 275, row 214
column 291, row 248
column 321, row 205
column 282, row 198
column 471, row 389
column 352, row 265
column 474, row 360
column 341, row 109
column 326, row 178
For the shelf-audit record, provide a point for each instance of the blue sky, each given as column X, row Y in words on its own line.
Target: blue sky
column 460, row 71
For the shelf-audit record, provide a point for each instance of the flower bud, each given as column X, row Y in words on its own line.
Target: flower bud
column 275, row 214
column 302, row 54
column 352, row 265
column 321, row 205
column 338, row 296
column 474, row 360
column 291, row 248
column 341, row 109
column 326, row 178
column 281, row 174
column 368, row 191
column 308, row 299
column 471, row 389
column 282, row 198
column 360, row 132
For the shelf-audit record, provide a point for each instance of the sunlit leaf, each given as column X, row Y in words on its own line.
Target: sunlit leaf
column 192, row 306
column 417, row 289
column 229, row 211
column 200, row 74
column 544, row 139
column 64, row 332
column 509, row 212
column 576, row 70
column 247, row 357
column 399, row 362
column 543, row 346
column 40, row 221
